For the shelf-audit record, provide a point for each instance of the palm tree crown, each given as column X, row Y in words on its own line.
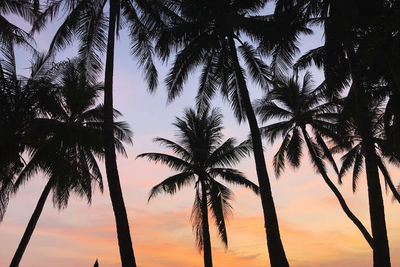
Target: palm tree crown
column 296, row 106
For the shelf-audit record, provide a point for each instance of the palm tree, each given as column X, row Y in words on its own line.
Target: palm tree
column 346, row 24
column 299, row 109
column 205, row 34
column 64, row 145
column 21, row 101
column 354, row 147
column 96, row 32
column 10, row 36
column 201, row 158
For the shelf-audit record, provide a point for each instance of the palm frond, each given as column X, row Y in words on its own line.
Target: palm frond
column 234, row 176
column 208, row 83
column 196, row 218
column 172, row 184
column 279, row 157
column 348, row 160
column 142, row 48
column 294, row 148
column 227, row 154
column 220, row 208
column 186, row 60
column 258, row 70
column 92, row 32
column 314, row 56
column 171, row 161
column 358, row 164
column 272, row 131
column 176, row 148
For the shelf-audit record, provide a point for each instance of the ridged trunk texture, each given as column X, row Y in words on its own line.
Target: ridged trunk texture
column 31, row 226
column 121, row 218
column 276, row 251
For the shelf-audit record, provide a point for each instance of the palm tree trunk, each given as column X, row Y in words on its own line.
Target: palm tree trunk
column 121, row 218
column 376, row 209
column 206, row 229
column 336, row 191
column 276, row 251
column 31, row 225
column 381, row 253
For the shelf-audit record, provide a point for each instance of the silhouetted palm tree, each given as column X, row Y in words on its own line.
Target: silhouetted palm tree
column 346, row 24
column 10, row 36
column 64, row 145
column 22, row 99
column 205, row 34
column 352, row 143
column 96, row 32
column 201, row 157
column 299, row 109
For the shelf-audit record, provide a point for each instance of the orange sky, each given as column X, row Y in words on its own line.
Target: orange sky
column 314, row 230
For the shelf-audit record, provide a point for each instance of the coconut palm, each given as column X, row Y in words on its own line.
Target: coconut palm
column 354, row 147
column 64, row 145
column 22, row 100
column 10, row 36
column 346, row 25
column 201, row 159
column 206, row 34
column 301, row 109
column 87, row 21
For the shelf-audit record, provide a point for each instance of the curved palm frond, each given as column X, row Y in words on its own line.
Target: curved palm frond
column 220, row 208
column 279, row 157
column 234, row 176
column 172, row 184
column 227, row 154
column 176, row 148
column 171, row 161
column 348, row 160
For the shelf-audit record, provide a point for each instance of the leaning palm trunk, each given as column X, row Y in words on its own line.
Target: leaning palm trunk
column 206, row 229
column 121, row 218
column 275, row 247
column 334, row 189
column 31, row 226
column 381, row 252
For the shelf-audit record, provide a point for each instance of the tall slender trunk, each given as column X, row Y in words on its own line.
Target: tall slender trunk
column 206, row 229
column 336, row 191
column 381, row 253
column 276, row 251
column 376, row 208
column 121, row 218
column 31, row 225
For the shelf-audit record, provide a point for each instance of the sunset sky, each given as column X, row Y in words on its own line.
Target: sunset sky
column 314, row 229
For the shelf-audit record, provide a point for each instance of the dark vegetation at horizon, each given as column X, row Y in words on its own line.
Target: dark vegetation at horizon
column 53, row 117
